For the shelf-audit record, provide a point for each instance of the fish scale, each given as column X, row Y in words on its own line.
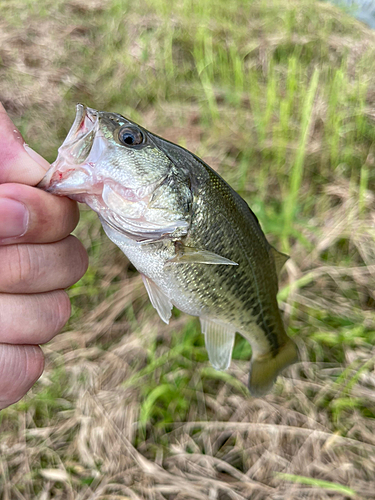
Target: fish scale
column 195, row 241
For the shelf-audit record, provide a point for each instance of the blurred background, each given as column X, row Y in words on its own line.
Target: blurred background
column 279, row 98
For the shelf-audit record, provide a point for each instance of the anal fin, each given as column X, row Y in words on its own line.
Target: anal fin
column 219, row 339
column 158, row 299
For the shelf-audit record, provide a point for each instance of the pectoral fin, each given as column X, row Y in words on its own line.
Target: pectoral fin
column 190, row 255
column 219, row 341
column 158, row 299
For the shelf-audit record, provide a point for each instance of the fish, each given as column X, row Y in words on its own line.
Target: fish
column 194, row 240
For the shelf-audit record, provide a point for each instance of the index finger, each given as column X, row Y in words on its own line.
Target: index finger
column 18, row 162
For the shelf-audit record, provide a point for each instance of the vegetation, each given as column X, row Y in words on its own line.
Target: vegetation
column 279, row 98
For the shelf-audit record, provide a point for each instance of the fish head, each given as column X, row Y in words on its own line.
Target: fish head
column 105, row 148
column 114, row 166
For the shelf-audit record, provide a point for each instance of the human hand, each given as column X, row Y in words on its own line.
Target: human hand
column 38, row 259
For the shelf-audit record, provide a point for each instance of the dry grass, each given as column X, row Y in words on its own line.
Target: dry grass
column 129, row 408
column 230, row 446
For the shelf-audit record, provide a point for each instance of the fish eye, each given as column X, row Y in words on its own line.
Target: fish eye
column 130, row 136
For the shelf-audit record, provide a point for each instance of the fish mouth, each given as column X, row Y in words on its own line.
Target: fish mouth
column 85, row 122
column 71, row 172
column 78, row 174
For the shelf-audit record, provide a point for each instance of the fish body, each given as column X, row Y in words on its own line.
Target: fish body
column 195, row 241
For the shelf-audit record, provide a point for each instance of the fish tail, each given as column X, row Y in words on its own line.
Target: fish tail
column 265, row 368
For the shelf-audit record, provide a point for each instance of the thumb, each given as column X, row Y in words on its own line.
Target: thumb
column 18, row 162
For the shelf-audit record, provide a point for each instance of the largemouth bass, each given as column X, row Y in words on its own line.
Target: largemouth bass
column 195, row 241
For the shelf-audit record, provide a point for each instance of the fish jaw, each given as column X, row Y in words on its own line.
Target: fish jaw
column 73, row 172
column 82, row 172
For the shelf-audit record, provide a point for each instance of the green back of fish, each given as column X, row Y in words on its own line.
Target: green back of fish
column 223, row 223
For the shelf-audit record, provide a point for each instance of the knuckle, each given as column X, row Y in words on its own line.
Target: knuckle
column 33, row 318
column 61, row 314
column 20, row 267
column 47, row 210
column 52, row 314
column 31, row 370
column 81, row 257
column 70, row 215
column 21, row 366
column 64, row 309
column 26, row 268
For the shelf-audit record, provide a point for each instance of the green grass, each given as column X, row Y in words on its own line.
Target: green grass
column 278, row 97
column 348, row 492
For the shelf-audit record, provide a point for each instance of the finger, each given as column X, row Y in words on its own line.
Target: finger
column 20, row 368
column 42, row 268
column 30, row 215
column 46, row 315
column 18, row 162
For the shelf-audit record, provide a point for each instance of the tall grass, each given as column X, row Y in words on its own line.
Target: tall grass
column 293, row 190
column 278, row 98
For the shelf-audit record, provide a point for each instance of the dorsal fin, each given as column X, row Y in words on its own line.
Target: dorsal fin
column 279, row 258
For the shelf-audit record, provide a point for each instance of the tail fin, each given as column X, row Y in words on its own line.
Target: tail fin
column 264, row 369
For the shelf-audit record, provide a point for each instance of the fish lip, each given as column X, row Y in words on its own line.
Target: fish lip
column 86, row 123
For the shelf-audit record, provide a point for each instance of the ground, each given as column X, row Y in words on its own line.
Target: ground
column 279, row 98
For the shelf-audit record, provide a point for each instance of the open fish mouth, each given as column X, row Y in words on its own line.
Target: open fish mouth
column 85, row 171
column 85, row 123
column 71, row 171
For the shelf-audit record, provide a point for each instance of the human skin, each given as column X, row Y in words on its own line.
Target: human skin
column 38, row 260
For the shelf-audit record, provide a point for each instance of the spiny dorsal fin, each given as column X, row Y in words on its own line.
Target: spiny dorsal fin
column 190, row 255
column 279, row 258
